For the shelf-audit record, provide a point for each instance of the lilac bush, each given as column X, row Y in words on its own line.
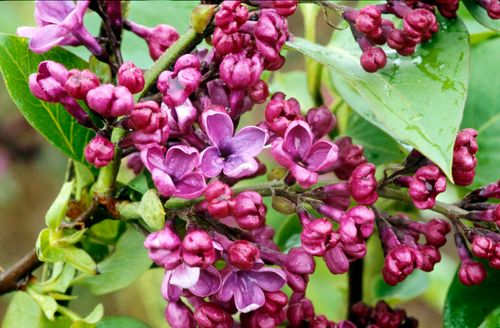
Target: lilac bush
column 205, row 144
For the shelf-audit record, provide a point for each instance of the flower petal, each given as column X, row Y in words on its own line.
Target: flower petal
column 249, row 140
column 54, row 12
column 211, row 162
column 228, row 286
column 180, row 160
column 305, row 178
column 153, row 158
column 170, row 292
column 47, row 38
column 190, row 186
column 219, row 127
column 185, row 276
column 298, row 139
column 163, row 183
column 248, row 296
column 208, row 283
column 280, row 155
column 322, row 155
column 241, row 165
column 269, row 279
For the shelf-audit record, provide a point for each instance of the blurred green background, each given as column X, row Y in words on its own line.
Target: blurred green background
column 31, row 172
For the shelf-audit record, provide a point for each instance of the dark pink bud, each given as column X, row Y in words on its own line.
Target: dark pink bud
column 300, row 311
column 492, row 8
column 219, row 196
column 239, row 71
column 249, row 210
column 210, row 315
column 259, row 92
column 79, row 83
column 297, row 282
column 164, row 248
column 131, row 77
column 315, row 236
column 354, row 249
column 243, row 255
column 300, row 262
column 373, row 59
column 198, row 249
column 48, row 83
column 464, row 159
column 369, row 21
column 282, row 7
column 275, row 302
column 148, row 117
column 483, row 247
column 471, row 273
column 419, row 24
column 435, row 232
column 99, row 151
column 363, row 185
column 350, row 157
column 271, row 33
column 345, row 324
column 347, row 230
column 134, row 162
column 431, row 256
column 231, row 16
column 280, row 113
column 321, row 120
column 399, row 263
column 160, row 38
column 426, row 184
column 495, row 258
column 110, row 101
column 178, row 315
column 364, row 218
column 225, row 43
column 336, row 260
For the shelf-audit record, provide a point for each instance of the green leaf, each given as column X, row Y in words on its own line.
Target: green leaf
column 152, row 211
column 482, row 109
column 288, row 233
column 57, row 210
column 46, row 303
column 122, row 267
column 17, row 62
column 418, row 101
column 95, row 315
column 467, row 306
column 121, row 322
column 23, row 311
column 379, row 147
column 492, row 320
column 414, row 285
column 293, row 84
column 481, row 15
column 84, row 178
column 60, row 282
column 79, row 258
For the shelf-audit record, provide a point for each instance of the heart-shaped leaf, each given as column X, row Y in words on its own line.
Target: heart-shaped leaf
column 17, row 62
column 417, row 100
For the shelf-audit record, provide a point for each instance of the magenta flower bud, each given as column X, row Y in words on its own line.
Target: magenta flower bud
column 110, row 101
column 315, row 236
column 363, row 185
column 147, row 117
column 249, row 210
column 99, row 151
column 178, row 315
column 275, row 302
column 48, row 83
column 350, row 157
column 492, row 8
column 282, row 7
column 483, row 247
column 225, row 43
column 198, row 249
column 431, row 256
column 345, row 324
column 321, row 120
column 176, row 86
column 211, row 315
column 373, row 59
column 159, row 38
column 369, row 22
column 131, row 77
column 299, row 261
column 425, row 185
column 399, row 263
column 347, row 230
column 419, row 24
column 297, row 282
column 464, row 159
column 219, row 196
column 79, row 83
column 495, row 258
column 243, row 255
column 271, row 33
column 336, row 260
column 231, row 16
column 471, row 273
column 239, row 71
column 300, row 310
column 398, row 40
column 364, row 218
column 259, row 92
column 355, row 249
column 280, row 113
column 164, row 248
column 435, row 232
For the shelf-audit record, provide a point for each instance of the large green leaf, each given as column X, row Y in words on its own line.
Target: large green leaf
column 23, row 311
column 467, row 306
column 17, row 62
column 482, row 110
column 127, row 263
column 417, row 100
column 480, row 14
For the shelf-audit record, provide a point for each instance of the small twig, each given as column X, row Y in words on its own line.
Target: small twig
column 355, row 285
column 16, row 276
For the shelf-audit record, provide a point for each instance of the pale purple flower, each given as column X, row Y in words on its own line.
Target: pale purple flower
column 247, row 286
column 180, row 118
column 233, row 155
column 59, row 23
column 175, row 173
column 297, row 152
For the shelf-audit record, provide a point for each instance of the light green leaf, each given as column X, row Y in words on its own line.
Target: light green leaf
column 414, row 285
column 121, row 322
column 80, row 259
column 482, row 110
column 152, row 211
column 95, row 315
column 418, row 101
column 57, row 210
column 46, row 303
column 288, row 233
column 83, row 177
column 22, row 311
column 467, row 306
column 492, row 320
column 17, row 62
column 61, row 281
column 293, row 84
column 122, row 267
column 481, row 15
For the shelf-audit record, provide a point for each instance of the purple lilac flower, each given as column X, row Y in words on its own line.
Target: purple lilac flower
column 233, row 155
column 297, row 152
column 59, row 23
column 175, row 173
